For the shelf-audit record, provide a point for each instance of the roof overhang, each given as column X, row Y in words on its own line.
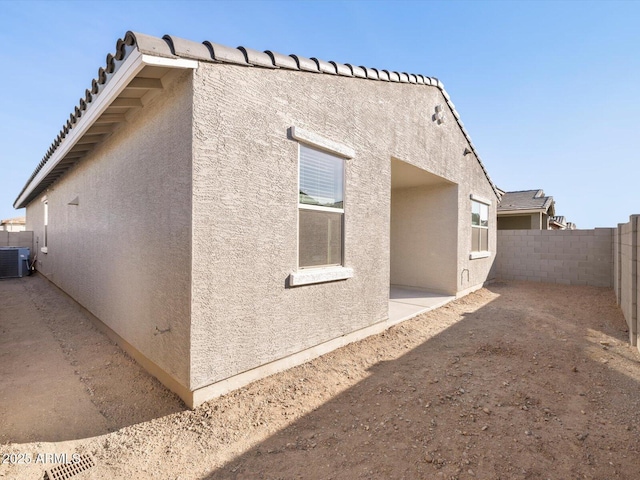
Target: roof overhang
column 522, row 212
column 109, row 108
column 108, row 103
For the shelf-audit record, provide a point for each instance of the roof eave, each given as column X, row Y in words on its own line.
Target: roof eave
column 132, row 66
column 136, row 51
column 516, row 211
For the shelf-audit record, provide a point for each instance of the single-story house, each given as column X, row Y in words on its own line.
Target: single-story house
column 228, row 213
column 525, row 210
column 16, row 224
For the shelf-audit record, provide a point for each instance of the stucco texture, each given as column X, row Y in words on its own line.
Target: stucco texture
column 424, row 237
column 519, row 222
column 124, row 251
column 245, row 210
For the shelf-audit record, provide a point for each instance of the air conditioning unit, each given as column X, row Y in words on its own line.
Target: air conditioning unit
column 14, row 262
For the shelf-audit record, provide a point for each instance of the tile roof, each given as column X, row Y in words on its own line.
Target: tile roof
column 172, row 47
column 14, row 221
column 525, row 200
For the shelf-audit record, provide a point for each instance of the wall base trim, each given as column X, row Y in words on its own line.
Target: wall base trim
column 198, row 396
column 151, row 367
column 240, row 380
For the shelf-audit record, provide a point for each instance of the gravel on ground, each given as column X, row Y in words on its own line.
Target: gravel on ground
column 518, row 380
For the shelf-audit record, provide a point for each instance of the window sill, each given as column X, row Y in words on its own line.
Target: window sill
column 319, row 275
column 476, row 255
column 44, row 249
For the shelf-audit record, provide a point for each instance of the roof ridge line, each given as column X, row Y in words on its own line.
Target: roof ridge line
column 176, row 47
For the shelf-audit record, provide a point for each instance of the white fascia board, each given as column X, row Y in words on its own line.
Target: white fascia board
column 169, row 62
column 133, row 65
column 518, row 212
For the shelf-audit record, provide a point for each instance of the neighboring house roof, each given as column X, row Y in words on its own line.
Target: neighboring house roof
column 526, row 200
column 101, row 108
column 14, row 221
column 559, row 221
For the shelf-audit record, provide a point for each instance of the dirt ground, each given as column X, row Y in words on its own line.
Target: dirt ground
column 519, row 380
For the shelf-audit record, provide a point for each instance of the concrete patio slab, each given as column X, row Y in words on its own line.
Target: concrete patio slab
column 407, row 302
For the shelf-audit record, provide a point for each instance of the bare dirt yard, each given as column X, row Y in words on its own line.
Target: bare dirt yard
column 518, row 380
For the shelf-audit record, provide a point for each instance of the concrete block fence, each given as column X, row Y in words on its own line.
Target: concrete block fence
column 571, row 257
column 17, row 239
column 603, row 257
column 625, row 272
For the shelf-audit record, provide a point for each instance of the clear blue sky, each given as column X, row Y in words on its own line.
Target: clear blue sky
column 549, row 91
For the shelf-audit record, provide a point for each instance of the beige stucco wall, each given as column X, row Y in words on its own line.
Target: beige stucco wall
column 124, row 251
column 424, row 237
column 519, row 222
column 245, row 207
column 12, row 228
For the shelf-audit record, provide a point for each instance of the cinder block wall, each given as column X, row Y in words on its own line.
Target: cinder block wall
column 626, row 285
column 571, row 257
column 22, row 239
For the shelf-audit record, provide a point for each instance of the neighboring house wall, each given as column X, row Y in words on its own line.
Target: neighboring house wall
column 533, row 221
column 9, row 227
column 245, row 208
column 124, row 251
column 572, row 257
column 626, row 285
column 519, row 222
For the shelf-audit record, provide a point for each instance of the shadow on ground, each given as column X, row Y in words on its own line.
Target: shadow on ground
column 62, row 378
column 538, row 383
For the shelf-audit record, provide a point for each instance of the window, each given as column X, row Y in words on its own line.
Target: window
column 479, row 226
column 44, row 248
column 320, row 209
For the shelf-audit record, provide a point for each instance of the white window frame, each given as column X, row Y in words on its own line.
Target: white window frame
column 328, row 273
column 320, row 208
column 45, row 202
column 475, row 254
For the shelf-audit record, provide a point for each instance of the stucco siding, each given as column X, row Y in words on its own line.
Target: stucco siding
column 519, row 222
column 424, row 238
column 473, row 273
column 124, row 251
column 245, row 184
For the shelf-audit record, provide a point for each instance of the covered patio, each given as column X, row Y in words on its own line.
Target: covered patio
column 407, row 302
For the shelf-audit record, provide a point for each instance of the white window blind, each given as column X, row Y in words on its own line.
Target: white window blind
column 321, row 178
